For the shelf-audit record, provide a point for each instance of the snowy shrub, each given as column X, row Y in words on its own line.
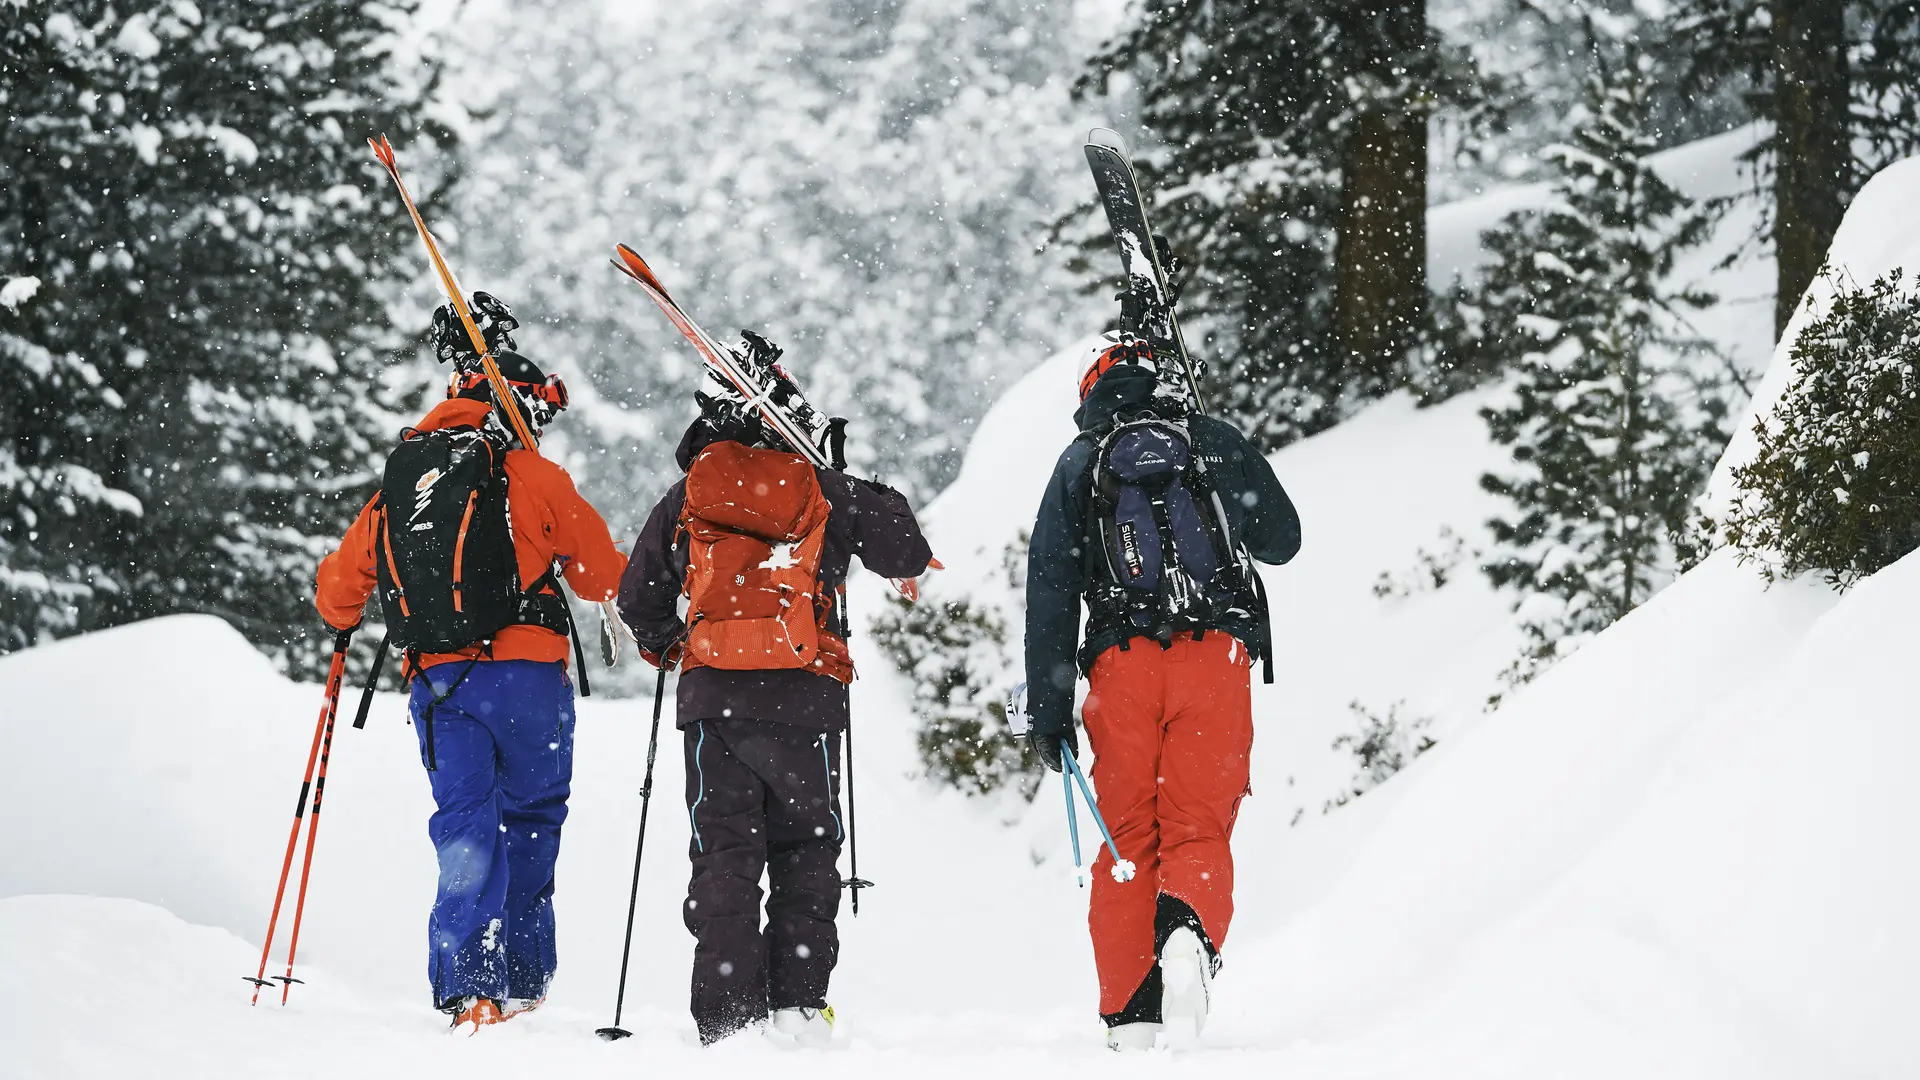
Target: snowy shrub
column 1835, row 486
column 1383, row 746
column 1431, row 570
column 955, row 652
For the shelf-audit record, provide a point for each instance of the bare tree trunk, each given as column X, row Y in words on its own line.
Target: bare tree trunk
column 1813, row 156
column 1380, row 271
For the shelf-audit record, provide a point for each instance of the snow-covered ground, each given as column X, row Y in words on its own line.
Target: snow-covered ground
column 1680, row 853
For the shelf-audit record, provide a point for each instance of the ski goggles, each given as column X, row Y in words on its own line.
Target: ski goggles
column 553, row 391
column 1124, row 352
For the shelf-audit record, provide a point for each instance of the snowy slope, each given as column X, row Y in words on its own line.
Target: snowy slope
column 1878, row 235
column 1675, row 855
column 1680, row 853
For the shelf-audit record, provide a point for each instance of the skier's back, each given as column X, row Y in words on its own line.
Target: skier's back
column 1168, row 657
column 760, row 542
column 462, row 543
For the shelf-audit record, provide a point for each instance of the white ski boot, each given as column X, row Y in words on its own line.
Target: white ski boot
column 1126, row 1037
column 1186, row 983
column 811, row 1028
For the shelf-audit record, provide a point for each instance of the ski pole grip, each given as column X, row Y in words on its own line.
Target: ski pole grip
column 373, row 680
column 343, row 638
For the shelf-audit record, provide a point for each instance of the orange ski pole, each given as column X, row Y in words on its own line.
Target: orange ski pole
column 336, row 674
column 328, row 715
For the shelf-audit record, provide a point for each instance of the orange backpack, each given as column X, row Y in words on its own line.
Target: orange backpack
column 756, row 525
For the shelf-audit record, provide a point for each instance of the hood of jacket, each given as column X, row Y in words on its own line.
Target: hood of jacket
column 1124, row 387
column 455, row 412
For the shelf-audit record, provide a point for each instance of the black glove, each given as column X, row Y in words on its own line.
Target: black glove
column 1047, row 746
column 833, row 443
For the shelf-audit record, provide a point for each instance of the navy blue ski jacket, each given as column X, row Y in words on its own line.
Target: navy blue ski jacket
column 1262, row 516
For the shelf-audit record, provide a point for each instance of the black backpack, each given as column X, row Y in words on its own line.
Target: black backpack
column 448, row 578
column 1165, row 558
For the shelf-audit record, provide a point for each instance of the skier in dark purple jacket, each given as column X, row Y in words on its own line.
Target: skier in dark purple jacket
column 761, row 735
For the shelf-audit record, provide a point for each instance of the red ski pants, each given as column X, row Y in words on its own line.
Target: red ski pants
column 1172, row 732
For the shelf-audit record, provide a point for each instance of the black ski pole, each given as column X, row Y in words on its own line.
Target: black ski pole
column 615, row 1031
column 373, row 680
column 856, row 882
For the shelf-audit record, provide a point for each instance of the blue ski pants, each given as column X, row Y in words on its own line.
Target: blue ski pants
column 499, row 751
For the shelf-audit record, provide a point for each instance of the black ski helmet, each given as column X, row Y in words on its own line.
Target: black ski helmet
column 538, row 396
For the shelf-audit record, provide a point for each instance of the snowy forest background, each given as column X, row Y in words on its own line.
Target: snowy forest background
column 212, row 310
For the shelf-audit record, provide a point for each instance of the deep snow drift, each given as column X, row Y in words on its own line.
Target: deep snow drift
column 1680, row 853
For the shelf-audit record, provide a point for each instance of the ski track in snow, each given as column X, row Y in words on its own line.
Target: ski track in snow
column 1681, row 853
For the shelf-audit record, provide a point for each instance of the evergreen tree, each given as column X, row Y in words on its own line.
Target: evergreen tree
column 1611, row 429
column 188, row 377
column 1292, row 168
column 861, row 182
column 1839, row 82
column 1538, row 50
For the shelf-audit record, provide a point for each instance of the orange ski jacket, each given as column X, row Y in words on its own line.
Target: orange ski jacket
column 551, row 522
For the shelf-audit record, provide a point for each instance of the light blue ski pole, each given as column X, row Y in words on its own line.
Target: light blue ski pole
column 1073, row 827
column 1122, row 869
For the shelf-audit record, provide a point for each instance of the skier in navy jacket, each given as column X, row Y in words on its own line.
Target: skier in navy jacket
column 1169, row 714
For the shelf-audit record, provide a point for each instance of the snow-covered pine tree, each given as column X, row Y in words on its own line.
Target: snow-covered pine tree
column 1839, row 83
column 1537, row 49
column 1291, row 169
column 864, row 183
column 1831, row 487
column 1610, row 422
column 186, row 387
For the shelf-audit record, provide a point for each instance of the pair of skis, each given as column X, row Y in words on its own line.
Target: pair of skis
column 1119, row 189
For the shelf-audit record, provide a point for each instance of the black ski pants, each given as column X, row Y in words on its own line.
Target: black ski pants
column 762, row 797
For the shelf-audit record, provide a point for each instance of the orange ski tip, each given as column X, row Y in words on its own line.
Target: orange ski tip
column 636, row 268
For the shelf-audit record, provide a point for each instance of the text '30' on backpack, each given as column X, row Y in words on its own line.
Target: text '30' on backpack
column 1166, row 560
column 444, row 559
column 756, row 526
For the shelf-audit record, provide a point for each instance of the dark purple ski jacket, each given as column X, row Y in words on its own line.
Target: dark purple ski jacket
column 867, row 519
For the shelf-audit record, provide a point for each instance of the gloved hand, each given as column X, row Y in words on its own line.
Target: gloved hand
column 833, row 443
column 1047, row 746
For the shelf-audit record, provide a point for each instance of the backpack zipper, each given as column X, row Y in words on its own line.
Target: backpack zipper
column 460, row 549
column 393, row 569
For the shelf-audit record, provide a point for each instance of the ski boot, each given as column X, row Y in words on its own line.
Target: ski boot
column 478, row 1012
column 1186, row 979
column 803, row 1027
column 1135, row 1036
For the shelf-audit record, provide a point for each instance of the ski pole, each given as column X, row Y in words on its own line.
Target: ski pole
column 855, row 883
column 322, row 730
column 615, row 1031
column 313, row 835
column 1123, row 870
column 1073, row 826
column 373, row 680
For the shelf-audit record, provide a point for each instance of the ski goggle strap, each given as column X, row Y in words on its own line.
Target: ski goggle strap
column 553, row 391
column 1128, row 351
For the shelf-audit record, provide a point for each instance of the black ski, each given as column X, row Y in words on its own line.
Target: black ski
column 1119, row 189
